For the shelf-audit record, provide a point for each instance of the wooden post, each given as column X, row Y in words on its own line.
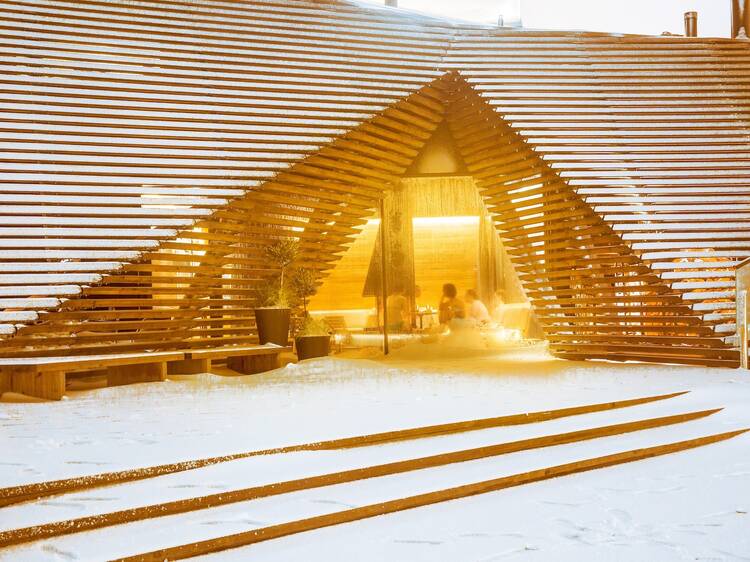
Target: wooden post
column 253, row 364
column 742, row 280
column 130, row 374
column 5, row 382
column 383, row 276
column 48, row 385
column 189, row 367
column 745, row 335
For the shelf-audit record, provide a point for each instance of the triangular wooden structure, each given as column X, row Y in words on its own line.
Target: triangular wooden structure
column 152, row 150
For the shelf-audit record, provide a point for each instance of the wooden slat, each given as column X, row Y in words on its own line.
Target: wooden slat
column 44, row 489
column 393, row 506
column 70, row 526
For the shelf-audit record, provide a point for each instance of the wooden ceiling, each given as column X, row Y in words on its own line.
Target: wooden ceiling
column 151, row 149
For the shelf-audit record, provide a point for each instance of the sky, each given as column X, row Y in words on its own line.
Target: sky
column 650, row 17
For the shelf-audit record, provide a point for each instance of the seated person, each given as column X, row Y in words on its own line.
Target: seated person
column 451, row 310
column 399, row 318
column 476, row 309
column 498, row 307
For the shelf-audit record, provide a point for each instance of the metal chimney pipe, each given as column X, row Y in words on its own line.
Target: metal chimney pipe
column 392, row 3
column 740, row 18
column 691, row 24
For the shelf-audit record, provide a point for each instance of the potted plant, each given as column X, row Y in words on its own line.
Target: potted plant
column 273, row 314
column 313, row 339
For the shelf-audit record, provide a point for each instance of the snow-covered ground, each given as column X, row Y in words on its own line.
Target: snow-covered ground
column 687, row 506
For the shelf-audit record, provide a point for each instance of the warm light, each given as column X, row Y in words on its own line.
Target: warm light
column 504, row 335
column 435, row 221
column 321, row 312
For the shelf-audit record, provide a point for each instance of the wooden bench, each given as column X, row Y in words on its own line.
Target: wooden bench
column 248, row 360
column 44, row 377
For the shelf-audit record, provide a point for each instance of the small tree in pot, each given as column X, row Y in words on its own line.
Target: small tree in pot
column 273, row 314
column 313, row 339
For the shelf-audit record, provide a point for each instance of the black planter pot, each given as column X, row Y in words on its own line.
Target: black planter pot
column 273, row 325
column 312, row 346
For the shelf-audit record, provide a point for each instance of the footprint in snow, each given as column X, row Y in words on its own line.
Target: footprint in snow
column 252, row 522
column 416, row 541
column 67, row 555
column 661, row 490
column 693, row 532
column 734, row 555
column 334, row 502
column 610, row 489
column 572, row 524
column 62, row 504
column 575, row 533
column 621, row 516
column 513, row 552
column 562, row 504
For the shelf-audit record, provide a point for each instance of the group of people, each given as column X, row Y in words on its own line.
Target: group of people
column 463, row 313
column 453, row 311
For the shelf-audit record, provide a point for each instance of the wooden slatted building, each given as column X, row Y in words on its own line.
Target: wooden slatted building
column 151, row 149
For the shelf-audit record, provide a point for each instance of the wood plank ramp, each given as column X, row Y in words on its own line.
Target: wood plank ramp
column 318, row 522
column 70, row 526
column 28, row 492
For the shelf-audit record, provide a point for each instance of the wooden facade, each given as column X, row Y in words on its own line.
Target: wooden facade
column 152, row 149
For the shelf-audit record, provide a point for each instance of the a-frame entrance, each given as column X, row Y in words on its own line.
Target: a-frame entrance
column 438, row 231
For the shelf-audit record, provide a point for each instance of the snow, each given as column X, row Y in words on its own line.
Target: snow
column 34, row 290
column 685, row 506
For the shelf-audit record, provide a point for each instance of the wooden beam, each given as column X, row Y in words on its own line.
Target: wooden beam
column 255, row 536
column 189, row 367
column 49, row 385
column 254, row 364
column 19, row 536
column 131, row 374
column 28, row 492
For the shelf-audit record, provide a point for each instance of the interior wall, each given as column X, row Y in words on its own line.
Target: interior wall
column 342, row 288
column 448, row 240
column 445, row 251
